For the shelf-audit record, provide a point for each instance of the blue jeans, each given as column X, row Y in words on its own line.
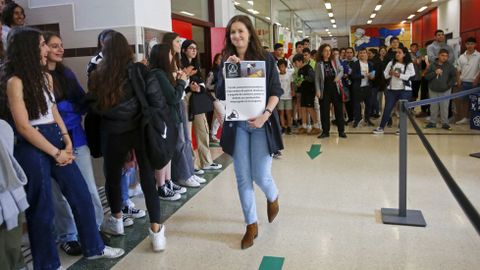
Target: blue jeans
column 467, row 86
column 128, row 178
column 40, row 168
column 252, row 162
column 64, row 222
column 391, row 98
column 182, row 161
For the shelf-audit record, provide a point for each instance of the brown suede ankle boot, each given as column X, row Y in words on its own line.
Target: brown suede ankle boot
column 272, row 210
column 250, row 234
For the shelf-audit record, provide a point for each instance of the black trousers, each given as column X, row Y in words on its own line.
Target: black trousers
column 362, row 94
column 331, row 96
column 116, row 147
column 415, row 89
column 349, row 105
column 424, row 94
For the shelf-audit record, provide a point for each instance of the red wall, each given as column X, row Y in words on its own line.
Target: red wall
column 184, row 29
column 469, row 22
column 217, row 40
column 423, row 28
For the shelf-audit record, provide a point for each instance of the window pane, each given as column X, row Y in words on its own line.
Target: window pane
column 196, row 9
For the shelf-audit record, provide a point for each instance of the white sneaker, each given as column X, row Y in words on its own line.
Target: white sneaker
column 190, row 182
column 158, row 239
column 136, row 191
column 112, row 226
column 127, row 221
column 213, row 166
column 378, row 130
column 108, row 253
column 199, row 179
column 129, row 203
column 464, row 121
column 214, row 140
column 199, row 171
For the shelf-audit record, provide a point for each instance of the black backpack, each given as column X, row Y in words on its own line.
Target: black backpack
column 157, row 129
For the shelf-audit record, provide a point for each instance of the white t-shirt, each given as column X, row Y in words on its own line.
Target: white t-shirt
column 364, row 71
column 405, row 75
column 469, row 66
column 48, row 117
column 286, row 82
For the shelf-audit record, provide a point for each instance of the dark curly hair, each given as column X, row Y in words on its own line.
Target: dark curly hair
column 23, row 61
column 8, row 11
column 108, row 79
column 255, row 50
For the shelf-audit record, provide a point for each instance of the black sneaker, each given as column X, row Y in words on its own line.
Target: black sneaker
column 176, row 188
column 167, row 194
column 277, row 155
column 342, row 135
column 323, row 135
column 72, row 248
column 289, row 131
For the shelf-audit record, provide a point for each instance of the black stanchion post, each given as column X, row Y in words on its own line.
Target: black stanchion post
column 402, row 216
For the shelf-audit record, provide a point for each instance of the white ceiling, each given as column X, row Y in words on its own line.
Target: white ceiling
column 348, row 12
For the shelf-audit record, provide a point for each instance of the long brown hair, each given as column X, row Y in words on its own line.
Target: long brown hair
column 160, row 58
column 255, row 50
column 59, row 82
column 109, row 77
column 320, row 53
column 168, row 39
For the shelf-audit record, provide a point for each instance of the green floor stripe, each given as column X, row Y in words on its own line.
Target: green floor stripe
column 139, row 231
column 271, row 263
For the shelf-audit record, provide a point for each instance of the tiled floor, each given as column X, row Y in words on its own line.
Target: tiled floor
column 329, row 211
column 329, row 216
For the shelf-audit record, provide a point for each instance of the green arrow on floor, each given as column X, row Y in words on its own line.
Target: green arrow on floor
column 314, row 151
column 271, row 263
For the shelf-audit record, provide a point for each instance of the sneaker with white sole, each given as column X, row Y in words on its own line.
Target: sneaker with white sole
column 213, row 166
column 167, row 194
column 199, row 179
column 159, row 241
column 190, row 182
column 127, row 221
column 136, row 191
column 176, row 188
column 378, row 130
column 199, row 171
column 113, row 226
column 108, row 253
column 464, row 121
column 133, row 212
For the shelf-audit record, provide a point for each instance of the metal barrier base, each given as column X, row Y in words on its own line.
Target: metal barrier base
column 477, row 155
column 413, row 218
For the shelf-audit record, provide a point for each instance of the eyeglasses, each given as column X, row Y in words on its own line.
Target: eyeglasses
column 192, row 48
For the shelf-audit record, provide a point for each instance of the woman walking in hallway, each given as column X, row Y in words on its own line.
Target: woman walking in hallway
column 252, row 143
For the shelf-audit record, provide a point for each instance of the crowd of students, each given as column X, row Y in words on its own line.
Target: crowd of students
column 50, row 165
column 354, row 84
column 44, row 104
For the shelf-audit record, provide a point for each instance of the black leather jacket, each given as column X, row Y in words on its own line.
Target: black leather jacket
column 126, row 116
